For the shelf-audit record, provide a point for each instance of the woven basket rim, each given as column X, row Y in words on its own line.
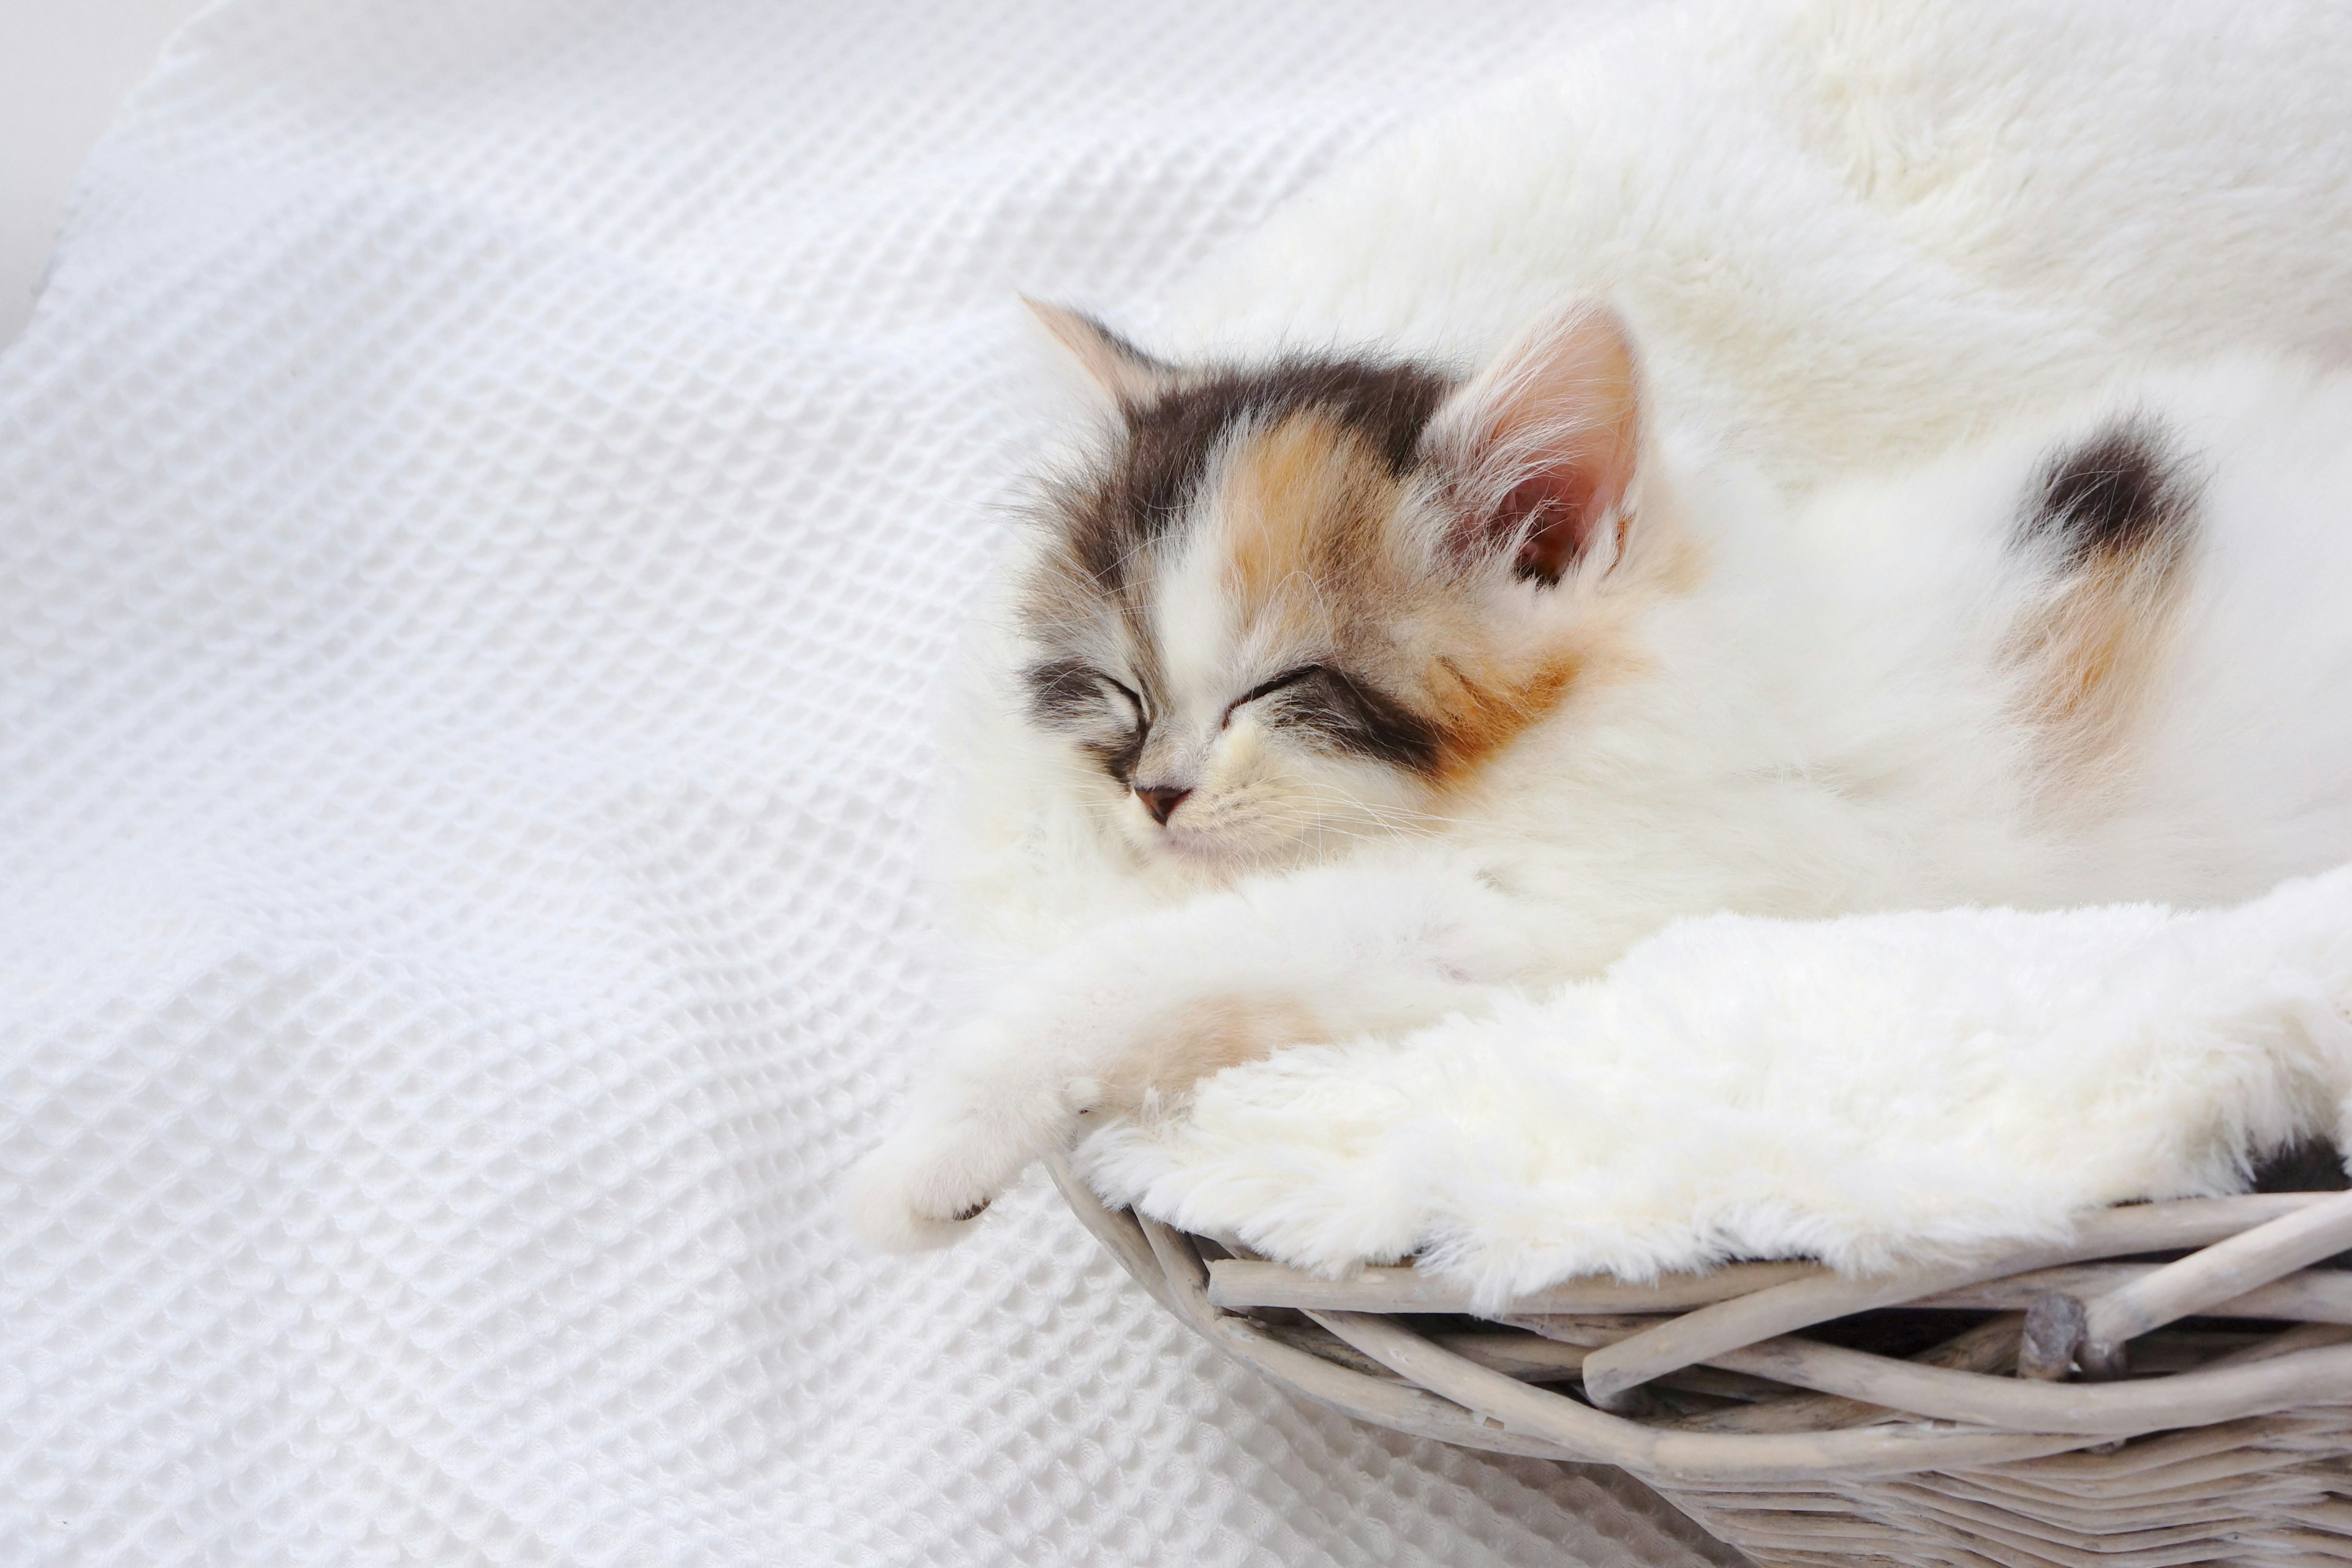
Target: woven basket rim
column 2063, row 1316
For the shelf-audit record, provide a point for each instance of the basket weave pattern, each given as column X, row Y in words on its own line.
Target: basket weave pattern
column 2072, row 1404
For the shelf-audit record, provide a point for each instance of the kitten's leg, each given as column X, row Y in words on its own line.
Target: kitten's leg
column 1140, row 1010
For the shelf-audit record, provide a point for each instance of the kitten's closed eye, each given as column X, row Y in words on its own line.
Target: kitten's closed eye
column 1066, row 689
column 1134, row 701
column 1269, row 687
column 1105, row 716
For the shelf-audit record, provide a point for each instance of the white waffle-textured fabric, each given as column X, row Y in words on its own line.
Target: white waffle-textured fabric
column 483, row 496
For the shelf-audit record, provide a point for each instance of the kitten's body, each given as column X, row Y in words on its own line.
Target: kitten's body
column 1851, row 232
column 1893, row 696
column 1841, row 711
column 2097, row 658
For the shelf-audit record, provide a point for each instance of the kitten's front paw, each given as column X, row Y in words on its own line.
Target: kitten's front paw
column 929, row 1180
column 921, row 1190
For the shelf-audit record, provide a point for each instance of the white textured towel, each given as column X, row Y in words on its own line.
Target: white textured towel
column 482, row 498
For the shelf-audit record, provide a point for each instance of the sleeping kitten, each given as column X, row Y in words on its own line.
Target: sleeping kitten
column 1374, row 692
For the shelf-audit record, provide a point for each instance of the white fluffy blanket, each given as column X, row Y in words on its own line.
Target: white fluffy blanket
column 481, row 501
column 1871, row 1091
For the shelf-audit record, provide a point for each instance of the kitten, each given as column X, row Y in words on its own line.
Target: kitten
column 1381, row 692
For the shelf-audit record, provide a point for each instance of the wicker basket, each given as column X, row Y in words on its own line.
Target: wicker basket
column 2173, row 1386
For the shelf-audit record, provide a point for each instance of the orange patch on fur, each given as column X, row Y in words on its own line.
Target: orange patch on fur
column 1482, row 713
column 1304, row 509
column 1201, row 1040
column 1488, row 703
column 1301, row 507
column 2089, row 656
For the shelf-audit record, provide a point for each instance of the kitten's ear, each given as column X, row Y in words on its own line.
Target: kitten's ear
column 1123, row 374
column 1542, row 448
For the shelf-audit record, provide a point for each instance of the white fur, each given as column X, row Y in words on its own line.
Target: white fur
column 1875, row 1090
column 1848, row 231
column 1887, row 225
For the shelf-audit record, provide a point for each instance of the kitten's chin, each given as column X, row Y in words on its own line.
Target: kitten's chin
column 1202, row 857
column 1191, row 858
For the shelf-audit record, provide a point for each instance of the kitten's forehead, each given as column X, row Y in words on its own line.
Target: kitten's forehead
column 1296, row 520
column 1170, row 448
column 1285, row 555
column 1226, row 508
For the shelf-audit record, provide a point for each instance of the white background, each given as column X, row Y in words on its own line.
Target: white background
column 65, row 69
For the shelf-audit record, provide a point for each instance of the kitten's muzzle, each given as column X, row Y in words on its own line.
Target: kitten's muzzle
column 1160, row 800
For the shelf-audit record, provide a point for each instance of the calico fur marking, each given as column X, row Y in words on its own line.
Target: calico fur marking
column 2122, row 493
column 1157, row 469
column 2116, row 516
column 1200, row 1040
column 1304, row 513
column 1302, row 502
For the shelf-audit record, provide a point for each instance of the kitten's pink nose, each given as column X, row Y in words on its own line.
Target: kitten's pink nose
column 1161, row 800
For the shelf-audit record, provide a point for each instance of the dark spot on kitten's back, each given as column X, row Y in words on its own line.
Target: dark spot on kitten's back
column 2122, row 493
column 1155, row 472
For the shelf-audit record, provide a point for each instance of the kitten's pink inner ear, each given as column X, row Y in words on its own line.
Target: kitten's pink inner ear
column 1122, row 372
column 1544, row 444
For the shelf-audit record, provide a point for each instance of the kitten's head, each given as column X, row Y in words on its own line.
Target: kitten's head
column 1291, row 606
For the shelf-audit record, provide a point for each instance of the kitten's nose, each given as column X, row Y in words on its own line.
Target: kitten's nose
column 1161, row 800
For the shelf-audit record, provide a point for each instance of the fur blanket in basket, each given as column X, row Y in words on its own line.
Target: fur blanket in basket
column 1871, row 1091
